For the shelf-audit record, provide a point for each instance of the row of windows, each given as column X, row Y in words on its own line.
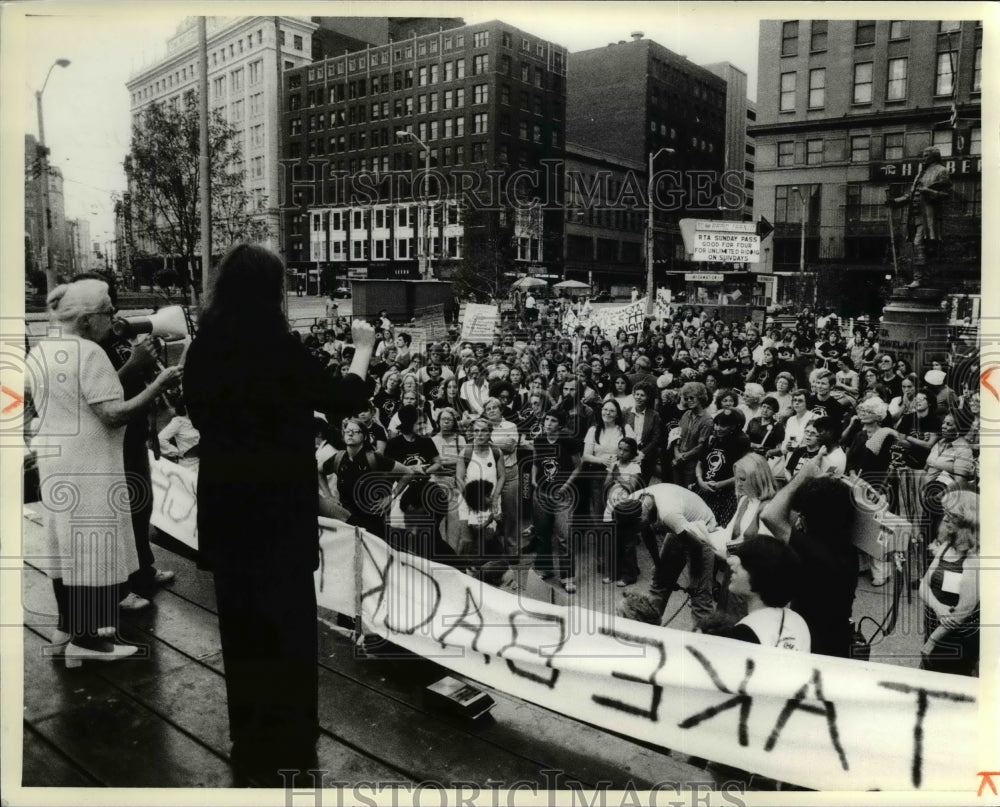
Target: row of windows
column 422, row 104
column 424, row 76
column 864, row 33
column 443, row 157
column 668, row 131
column 861, row 147
column 382, row 218
column 425, row 47
column 686, row 84
column 379, row 249
column 217, row 57
column 896, row 83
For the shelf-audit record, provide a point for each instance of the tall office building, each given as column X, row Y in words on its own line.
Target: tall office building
column 739, row 145
column 635, row 98
column 844, row 110
column 244, row 58
column 483, row 106
column 59, row 241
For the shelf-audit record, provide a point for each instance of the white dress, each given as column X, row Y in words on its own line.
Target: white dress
column 85, row 498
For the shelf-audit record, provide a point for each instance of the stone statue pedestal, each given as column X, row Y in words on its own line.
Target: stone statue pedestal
column 914, row 326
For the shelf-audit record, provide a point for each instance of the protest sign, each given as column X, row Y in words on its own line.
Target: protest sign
column 175, row 500
column 480, row 322
column 816, row 721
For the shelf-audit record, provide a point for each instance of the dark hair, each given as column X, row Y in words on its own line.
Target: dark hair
column 773, row 567
column 628, row 384
column 247, row 291
column 771, row 402
column 557, row 413
column 730, row 417
column 646, row 386
column 633, row 446
column 826, row 506
column 619, row 419
column 407, row 418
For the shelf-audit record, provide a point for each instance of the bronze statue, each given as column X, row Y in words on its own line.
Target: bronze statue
column 925, row 199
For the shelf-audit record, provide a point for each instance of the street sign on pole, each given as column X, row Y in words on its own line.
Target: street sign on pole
column 721, row 241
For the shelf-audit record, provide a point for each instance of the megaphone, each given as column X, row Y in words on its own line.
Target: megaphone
column 168, row 323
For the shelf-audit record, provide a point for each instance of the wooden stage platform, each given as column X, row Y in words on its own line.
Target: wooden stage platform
column 161, row 721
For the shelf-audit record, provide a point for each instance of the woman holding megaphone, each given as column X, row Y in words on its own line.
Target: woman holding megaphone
column 82, row 411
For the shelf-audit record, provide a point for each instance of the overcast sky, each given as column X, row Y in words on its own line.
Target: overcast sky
column 86, row 106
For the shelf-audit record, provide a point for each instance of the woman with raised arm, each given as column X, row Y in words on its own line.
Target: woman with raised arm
column 251, row 391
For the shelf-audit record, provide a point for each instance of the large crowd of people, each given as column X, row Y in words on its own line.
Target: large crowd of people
column 734, row 449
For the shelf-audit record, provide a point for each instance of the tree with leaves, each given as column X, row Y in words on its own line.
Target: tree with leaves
column 163, row 174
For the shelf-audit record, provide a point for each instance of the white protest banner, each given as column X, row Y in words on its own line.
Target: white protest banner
column 816, row 721
column 175, row 500
column 479, row 323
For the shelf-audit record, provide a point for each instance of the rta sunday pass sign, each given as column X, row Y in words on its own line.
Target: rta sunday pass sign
column 721, row 241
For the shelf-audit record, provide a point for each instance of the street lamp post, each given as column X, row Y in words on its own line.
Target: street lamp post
column 802, row 242
column 650, row 301
column 43, row 166
column 424, row 262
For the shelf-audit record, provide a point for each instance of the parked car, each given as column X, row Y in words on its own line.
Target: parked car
column 603, row 297
column 341, row 292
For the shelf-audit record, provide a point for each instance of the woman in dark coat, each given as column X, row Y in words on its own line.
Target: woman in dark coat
column 251, row 390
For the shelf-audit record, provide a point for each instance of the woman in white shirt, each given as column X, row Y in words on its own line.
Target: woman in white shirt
column 600, row 449
column 795, row 424
column 450, row 445
column 476, row 389
column 506, row 438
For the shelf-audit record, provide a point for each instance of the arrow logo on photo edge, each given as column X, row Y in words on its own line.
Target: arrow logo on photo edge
column 18, row 400
column 982, row 380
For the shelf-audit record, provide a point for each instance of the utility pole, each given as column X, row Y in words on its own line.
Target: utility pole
column 204, row 164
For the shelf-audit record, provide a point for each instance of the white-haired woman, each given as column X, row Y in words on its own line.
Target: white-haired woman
column 82, row 414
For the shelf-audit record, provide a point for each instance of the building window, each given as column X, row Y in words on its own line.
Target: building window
column 449, row 71
column 256, row 71
column 864, row 32
column 894, row 146
column 257, row 167
column 899, row 29
column 505, row 94
column 946, row 26
column 481, row 39
column 790, row 38
column 814, row 152
column 788, row 203
column 862, row 83
column 459, row 127
column 478, row 152
column 942, row 140
column 895, row 89
column 479, row 122
column 218, row 87
column 787, row 100
column 977, row 71
column 861, row 146
column 522, row 130
column 944, row 81
column 460, row 68
column 480, row 64
column 817, row 39
column 536, row 133
column 817, row 88
column 422, row 76
column 435, row 74
column 480, row 94
column 786, row 153
column 976, row 140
